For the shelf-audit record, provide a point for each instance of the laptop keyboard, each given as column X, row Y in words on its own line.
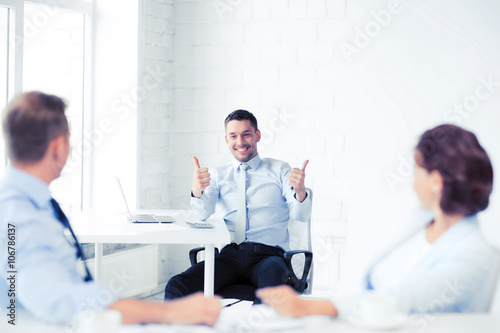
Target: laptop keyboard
column 145, row 218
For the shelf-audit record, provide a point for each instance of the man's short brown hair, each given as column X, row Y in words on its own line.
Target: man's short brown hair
column 242, row 115
column 30, row 122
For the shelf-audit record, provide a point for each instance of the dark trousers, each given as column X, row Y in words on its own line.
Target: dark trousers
column 248, row 263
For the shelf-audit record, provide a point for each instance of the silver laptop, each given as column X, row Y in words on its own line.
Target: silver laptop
column 143, row 218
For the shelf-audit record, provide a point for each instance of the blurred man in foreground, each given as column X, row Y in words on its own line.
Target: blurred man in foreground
column 48, row 285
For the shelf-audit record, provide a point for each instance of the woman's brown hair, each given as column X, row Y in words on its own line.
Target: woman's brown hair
column 464, row 165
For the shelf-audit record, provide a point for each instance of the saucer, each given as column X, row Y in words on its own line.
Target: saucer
column 384, row 324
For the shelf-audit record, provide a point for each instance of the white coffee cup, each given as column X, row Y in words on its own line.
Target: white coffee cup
column 376, row 308
column 107, row 321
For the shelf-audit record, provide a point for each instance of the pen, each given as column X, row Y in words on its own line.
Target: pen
column 230, row 304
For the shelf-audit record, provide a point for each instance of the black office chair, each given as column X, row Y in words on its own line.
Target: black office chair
column 298, row 260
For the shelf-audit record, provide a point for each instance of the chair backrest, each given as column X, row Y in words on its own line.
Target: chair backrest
column 300, row 239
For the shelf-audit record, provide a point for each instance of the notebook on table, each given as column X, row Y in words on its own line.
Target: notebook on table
column 143, row 218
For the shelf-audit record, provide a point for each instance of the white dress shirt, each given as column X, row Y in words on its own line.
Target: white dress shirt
column 392, row 269
column 457, row 273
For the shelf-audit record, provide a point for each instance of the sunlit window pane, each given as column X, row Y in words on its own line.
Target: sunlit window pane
column 4, row 70
column 54, row 63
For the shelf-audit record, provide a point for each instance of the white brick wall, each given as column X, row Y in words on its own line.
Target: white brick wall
column 297, row 9
column 156, row 31
column 351, row 115
column 274, row 58
column 262, row 56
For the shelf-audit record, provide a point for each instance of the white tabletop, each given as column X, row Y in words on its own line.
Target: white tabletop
column 98, row 227
column 247, row 318
column 261, row 318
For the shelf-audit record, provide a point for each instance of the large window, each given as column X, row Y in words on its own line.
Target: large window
column 52, row 51
column 54, row 62
column 5, row 64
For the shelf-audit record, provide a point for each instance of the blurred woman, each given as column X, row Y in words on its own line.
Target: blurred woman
column 441, row 264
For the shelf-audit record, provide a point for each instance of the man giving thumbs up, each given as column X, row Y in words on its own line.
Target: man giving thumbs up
column 256, row 197
column 201, row 179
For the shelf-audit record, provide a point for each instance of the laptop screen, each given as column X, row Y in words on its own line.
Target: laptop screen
column 124, row 199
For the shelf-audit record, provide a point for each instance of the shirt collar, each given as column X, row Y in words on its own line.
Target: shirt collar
column 253, row 164
column 30, row 186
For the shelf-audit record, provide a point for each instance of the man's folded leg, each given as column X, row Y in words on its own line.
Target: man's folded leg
column 271, row 271
column 192, row 280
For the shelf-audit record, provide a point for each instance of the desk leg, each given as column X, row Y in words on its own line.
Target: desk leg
column 98, row 262
column 209, row 270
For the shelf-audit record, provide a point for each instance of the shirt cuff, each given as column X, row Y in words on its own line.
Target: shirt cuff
column 294, row 195
column 192, row 195
column 198, row 207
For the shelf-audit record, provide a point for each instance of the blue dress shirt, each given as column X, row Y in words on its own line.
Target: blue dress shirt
column 270, row 200
column 48, row 285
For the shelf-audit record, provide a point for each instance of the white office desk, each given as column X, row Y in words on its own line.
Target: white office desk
column 259, row 320
column 99, row 228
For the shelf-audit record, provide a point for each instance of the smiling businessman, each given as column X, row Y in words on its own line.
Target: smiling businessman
column 256, row 197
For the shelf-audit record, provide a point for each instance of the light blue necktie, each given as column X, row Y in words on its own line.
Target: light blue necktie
column 241, row 218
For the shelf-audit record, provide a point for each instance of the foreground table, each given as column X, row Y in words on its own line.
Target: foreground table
column 99, row 228
column 262, row 319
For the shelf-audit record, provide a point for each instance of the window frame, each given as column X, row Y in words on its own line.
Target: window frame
column 87, row 8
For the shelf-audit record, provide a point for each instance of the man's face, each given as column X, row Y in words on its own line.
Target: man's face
column 241, row 138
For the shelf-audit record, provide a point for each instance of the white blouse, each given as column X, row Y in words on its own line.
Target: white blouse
column 391, row 270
